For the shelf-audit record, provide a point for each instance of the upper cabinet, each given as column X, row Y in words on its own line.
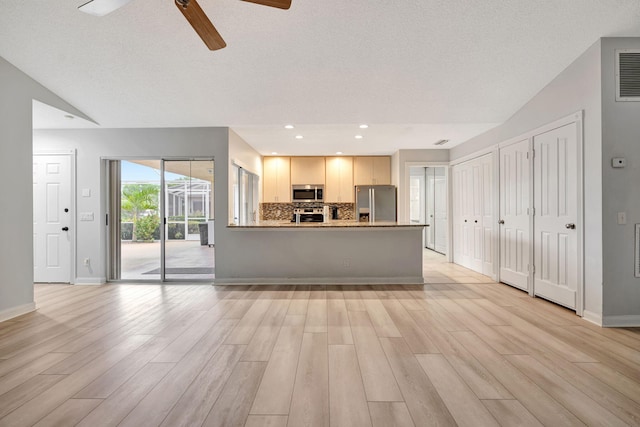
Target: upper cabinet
column 276, row 180
column 339, row 183
column 307, row 170
column 372, row 170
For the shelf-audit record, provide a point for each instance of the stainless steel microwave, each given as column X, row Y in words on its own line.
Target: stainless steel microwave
column 307, row 193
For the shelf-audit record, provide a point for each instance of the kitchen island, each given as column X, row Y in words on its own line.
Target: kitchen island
column 336, row 252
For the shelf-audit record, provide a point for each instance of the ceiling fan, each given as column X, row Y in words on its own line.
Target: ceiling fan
column 190, row 9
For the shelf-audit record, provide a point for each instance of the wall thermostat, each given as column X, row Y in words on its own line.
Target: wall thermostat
column 618, row 162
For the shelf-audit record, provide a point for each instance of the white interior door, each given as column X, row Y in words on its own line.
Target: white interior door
column 52, row 218
column 430, row 208
column 475, row 219
column 461, row 238
column 487, row 215
column 440, row 210
column 514, row 215
column 556, row 204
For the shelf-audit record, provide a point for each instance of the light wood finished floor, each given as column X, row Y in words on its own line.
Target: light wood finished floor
column 460, row 350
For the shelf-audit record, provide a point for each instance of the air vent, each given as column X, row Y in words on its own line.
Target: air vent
column 628, row 75
column 441, row 142
column 637, row 259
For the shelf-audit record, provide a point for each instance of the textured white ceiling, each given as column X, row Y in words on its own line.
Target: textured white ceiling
column 420, row 65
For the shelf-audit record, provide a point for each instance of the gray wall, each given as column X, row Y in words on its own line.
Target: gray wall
column 94, row 144
column 620, row 191
column 577, row 88
column 16, row 225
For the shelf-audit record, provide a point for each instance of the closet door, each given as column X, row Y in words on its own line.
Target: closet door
column 514, row 216
column 459, row 174
column 473, row 214
column 555, row 221
column 487, row 215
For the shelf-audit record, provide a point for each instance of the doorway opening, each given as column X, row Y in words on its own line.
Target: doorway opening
column 161, row 220
column 428, row 204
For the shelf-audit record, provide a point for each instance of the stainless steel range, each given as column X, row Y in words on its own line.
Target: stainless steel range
column 308, row 215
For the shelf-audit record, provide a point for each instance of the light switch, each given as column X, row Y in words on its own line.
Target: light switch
column 622, row 218
column 86, row 192
column 86, row 216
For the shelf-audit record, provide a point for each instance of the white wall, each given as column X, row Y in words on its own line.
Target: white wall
column 620, row 193
column 406, row 159
column 17, row 92
column 578, row 87
column 92, row 145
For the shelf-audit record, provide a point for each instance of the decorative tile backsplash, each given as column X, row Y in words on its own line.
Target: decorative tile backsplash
column 284, row 211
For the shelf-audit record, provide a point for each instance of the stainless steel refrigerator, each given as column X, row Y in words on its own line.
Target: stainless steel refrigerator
column 376, row 203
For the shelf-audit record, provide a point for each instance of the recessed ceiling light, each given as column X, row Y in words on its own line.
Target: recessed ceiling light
column 358, row 136
column 288, row 126
column 338, row 152
column 364, row 126
column 69, row 116
column 299, row 137
column 274, row 153
column 441, row 142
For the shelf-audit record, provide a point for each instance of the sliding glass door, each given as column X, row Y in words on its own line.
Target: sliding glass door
column 160, row 219
column 188, row 202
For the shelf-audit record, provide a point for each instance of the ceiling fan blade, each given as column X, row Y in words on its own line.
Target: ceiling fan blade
column 280, row 4
column 203, row 26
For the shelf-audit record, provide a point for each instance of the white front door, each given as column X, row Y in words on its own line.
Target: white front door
column 52, row 218
column 556, row 204
column 514, row 215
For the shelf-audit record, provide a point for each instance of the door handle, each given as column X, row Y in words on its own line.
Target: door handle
column 65, row 228
column 501, row 222
column 570, row 226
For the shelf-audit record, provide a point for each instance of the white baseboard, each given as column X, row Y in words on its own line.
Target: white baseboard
column 418, row 280
column 90, row 280
column 592, row 317
column 10, row 313
column 629, row 321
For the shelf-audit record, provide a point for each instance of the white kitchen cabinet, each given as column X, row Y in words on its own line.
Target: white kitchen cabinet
column 307, row 170
column 276, row 180
column 372, row 170
column 339, row 186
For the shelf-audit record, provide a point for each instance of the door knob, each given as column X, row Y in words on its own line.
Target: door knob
column 501, row 222
column 570, row 226
column 65, row 228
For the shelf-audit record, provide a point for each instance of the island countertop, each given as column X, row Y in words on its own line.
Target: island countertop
column 330, row 224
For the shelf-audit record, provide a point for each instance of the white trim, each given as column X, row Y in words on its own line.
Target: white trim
column 91, row 280
column 417, row 280
column 10, row 313
column 475, row 155
column 628, row 321
column 73, row 190
column 592, row 316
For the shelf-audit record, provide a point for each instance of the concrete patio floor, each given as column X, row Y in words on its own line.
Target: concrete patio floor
column 185, row 260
